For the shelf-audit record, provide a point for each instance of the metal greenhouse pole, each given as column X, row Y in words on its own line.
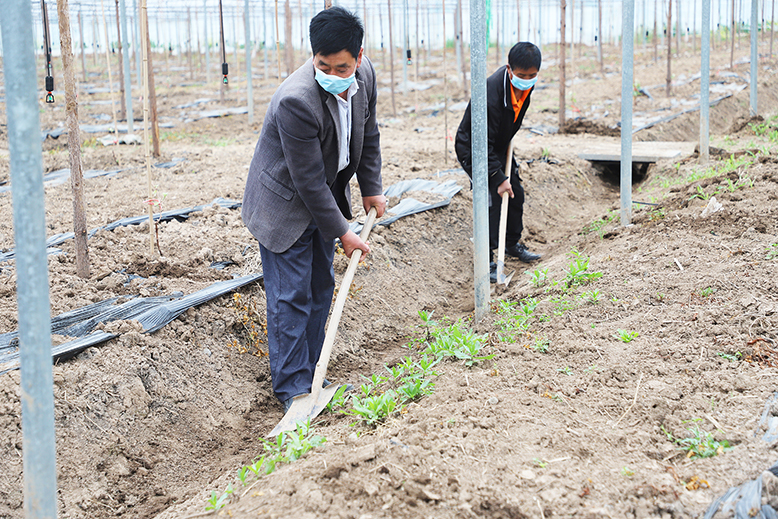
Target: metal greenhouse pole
column 627, row 53
column 705, row 85
column 32, row 289
column 480, row 157
column 754, row 53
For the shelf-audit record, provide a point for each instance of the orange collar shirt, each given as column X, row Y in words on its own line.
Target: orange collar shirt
column 517, row 103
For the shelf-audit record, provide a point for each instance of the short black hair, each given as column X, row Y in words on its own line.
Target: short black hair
column 336, row 29
column 524, row 55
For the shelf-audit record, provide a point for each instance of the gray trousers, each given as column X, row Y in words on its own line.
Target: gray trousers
column 299, row 284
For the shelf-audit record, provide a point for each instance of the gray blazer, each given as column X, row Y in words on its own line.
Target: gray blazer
column 293, row 178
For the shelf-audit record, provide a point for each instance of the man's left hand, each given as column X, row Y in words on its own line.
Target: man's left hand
column 377, row 201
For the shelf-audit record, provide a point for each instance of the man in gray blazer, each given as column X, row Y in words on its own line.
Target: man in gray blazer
column 319, row 131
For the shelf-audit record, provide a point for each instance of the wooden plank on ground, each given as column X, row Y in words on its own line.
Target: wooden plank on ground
column 610, row 151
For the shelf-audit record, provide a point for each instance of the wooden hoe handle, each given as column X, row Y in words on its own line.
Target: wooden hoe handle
column 337, row 311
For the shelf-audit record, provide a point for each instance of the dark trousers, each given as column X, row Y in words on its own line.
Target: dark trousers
column 299, row 284
column 515, row 214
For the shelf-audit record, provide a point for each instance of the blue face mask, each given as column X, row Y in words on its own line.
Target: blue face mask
column 523, row 84
column 333, row 84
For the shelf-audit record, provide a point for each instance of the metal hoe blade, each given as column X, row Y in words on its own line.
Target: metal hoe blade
column 305, row 407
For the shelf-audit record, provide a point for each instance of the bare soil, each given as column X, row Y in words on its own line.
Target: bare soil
column 148, row 424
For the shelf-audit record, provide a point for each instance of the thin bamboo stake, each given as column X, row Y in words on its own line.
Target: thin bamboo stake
column 151, row 91
column 391, row 57
column 562, row 71
column 123, row 103
column 144, row 72
column 74, row 142
column 278, row 45
column 110, row 76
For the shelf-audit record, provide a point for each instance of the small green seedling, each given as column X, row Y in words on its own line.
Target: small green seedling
column 707, row 291
column 700, row 444
column 567, row 370
column 701, row 194
column 578, row 271
column 772, row 251
column 538, row 277
column 540, row 463
column 625, row 335
column 627, row 472
column 592, row 296
column 374, row 409
column 338, row 399
column 732, row 358
column 541, row 344
column 216, row 501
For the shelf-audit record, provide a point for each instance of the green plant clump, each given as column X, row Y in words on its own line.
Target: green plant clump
column 625, row 335
column 287, row 447
column 700, row 444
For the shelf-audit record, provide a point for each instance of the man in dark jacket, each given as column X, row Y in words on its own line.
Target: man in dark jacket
column 508, row 94
column 320, row 130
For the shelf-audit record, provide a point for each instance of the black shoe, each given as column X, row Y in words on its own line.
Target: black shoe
column 492, row 272
column 520, row 252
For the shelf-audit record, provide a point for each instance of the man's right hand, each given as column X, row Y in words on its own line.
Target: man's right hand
column 505, row 187
column 351, row 242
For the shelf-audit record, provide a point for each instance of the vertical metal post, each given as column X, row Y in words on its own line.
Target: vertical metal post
column 32, row 288
column 705, row 85
column 627, row 47
column 754, row 53
column 480, row 145
column 249, row 90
